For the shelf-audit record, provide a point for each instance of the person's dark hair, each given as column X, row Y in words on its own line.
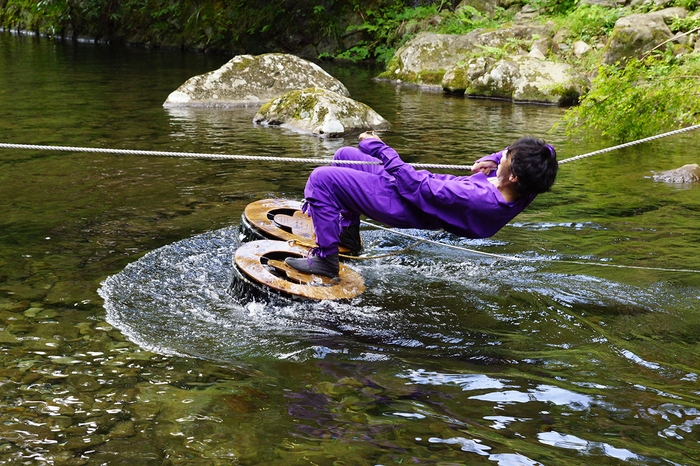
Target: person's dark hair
column 534, row 163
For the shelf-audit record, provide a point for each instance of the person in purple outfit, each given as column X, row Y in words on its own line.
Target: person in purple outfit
column 396, row 194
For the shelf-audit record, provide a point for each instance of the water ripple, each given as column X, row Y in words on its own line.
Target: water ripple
column 175, row 300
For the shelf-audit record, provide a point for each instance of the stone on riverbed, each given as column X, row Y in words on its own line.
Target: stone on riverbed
column 320, row 112
column 686, row 174
column 248, row 81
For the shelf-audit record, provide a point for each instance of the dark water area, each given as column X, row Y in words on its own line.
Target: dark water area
column 121, row 345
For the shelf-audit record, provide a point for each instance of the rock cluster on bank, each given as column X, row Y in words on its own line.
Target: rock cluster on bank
column 483, row 64
column 454, row 63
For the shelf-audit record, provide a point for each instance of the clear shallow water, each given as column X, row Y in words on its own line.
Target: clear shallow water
column 121, row 345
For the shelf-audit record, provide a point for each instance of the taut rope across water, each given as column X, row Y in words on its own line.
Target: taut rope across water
column 253, row 158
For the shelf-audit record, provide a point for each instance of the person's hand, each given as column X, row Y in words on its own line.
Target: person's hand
column 368, row 135
column 485, row 167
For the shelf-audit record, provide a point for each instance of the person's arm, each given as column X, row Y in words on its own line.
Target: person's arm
column 449, row 200
column 489, row 163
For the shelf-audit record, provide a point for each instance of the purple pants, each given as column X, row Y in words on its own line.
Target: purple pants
column 337, row 195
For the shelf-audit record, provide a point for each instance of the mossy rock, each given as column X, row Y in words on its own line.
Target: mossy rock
column 635, row 35
column 248, row 80
column 319, row 112
column 517, row 78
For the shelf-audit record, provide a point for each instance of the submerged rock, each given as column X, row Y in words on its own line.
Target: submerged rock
column 686, row 174
column 320, row 112
column 248, row 80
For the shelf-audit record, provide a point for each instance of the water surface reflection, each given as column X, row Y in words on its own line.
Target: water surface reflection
column 449, row 357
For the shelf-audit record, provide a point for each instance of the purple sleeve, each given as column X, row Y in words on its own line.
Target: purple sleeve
column 449, row 199
column 495, row 157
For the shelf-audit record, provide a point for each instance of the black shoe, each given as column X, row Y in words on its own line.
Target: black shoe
column 350, row 238
column 316, row 265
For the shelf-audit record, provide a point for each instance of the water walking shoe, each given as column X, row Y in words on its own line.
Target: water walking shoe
column 350, row 238
column 316, row 265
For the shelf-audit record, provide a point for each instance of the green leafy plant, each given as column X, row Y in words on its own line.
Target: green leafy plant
column 589, row 21
column 466, row 19
column 494, row 52
column 690, row 5
column 388, row 28
column 685, row 24
column 553, row 7
column 640, row 100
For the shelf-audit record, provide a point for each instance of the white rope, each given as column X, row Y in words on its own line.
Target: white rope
column 628, row 144
column 524, row 259
column 254, row 158
column 195, row 155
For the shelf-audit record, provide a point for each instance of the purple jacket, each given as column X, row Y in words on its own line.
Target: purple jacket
column 469, row 206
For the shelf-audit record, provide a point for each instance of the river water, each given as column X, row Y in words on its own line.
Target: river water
column 121, row 345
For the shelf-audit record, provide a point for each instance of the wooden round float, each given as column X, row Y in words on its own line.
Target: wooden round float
column 260, row 264
column 280, row 219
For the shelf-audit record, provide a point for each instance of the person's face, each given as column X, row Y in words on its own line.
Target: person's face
column 503, row 172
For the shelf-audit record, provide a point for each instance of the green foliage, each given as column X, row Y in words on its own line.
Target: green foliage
column 640, row 100
column 387, row 28
column 589, row 21
column 356, row 53
column 690, row 5
column 553, row 7
column 466, row 19
column 493, row 52
column 684, row 24
column 232, row 25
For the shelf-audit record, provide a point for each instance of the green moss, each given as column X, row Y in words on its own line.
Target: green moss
column 241, row 64
column 265, row 108
column 295, row 103
column 457, row 81
column 533, row 94
column 430, row 76
column 322, row 112
column 299, row 105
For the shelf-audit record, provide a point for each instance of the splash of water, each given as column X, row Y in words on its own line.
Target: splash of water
column 430, row 301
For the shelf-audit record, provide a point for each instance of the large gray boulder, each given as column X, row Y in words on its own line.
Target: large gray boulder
column 425, row 59
column 634, row 35
column 248, row 80
column 519, row 79
column 320, row 112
